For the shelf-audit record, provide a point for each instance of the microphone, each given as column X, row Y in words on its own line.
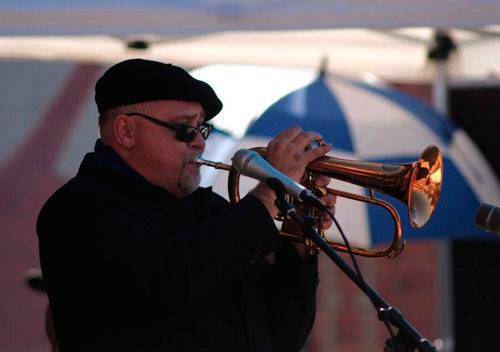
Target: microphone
column 488, row 218
column 251, row 164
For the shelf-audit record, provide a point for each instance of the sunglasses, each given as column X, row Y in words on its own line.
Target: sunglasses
column 183, row 133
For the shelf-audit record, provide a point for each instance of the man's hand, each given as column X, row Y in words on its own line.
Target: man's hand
column 287, row 153
column 329, row 200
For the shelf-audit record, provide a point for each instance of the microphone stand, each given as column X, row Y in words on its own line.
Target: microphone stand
column 408, row 338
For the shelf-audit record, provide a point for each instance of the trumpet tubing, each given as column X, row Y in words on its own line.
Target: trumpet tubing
column 417, row 184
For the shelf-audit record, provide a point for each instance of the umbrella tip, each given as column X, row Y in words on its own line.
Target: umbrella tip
column 323, row 67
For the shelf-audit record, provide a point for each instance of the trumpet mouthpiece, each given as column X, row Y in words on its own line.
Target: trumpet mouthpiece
column 216, row 165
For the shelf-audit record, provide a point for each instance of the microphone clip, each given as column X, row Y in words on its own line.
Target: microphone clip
column 284, row 207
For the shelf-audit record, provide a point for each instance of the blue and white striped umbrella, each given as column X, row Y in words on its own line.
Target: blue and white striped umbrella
column 370, row 123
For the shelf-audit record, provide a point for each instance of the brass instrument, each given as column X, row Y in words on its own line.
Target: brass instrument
column 416, row 184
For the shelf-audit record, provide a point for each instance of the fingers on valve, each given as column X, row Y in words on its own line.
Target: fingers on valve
column 303, row 139
column 329, row 200
column 306, row 139
column 295, row 141
column 320, row 151
column 326, row 222
column 321, row 180
column 285, row 136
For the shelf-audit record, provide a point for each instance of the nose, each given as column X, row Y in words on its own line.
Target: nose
column 198, row 143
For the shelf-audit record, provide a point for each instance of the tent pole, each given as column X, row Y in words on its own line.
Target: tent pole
column 440, row 87
column 444, row 248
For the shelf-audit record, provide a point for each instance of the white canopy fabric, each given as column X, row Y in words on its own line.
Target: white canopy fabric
column 396, row 55
column 291, row 33
column 190, row 17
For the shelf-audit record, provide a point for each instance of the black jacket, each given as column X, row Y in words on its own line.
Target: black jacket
column 129, row 267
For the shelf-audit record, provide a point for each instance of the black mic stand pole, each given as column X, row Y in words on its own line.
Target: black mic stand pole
column 407, row 338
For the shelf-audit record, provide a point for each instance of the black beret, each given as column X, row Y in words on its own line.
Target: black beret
column 137, row 80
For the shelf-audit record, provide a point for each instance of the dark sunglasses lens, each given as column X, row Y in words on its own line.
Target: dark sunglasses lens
column 205, row 131
column 190, row 134
column 183, row 136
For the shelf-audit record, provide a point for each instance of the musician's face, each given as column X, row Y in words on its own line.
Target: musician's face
column 166, row 161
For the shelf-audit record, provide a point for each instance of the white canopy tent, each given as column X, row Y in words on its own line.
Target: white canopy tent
column 399, row 54
column 289, row 33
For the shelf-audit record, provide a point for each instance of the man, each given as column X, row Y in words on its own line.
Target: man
column 136, row 257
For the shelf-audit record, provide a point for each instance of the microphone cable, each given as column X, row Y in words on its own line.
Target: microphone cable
column 323, row 208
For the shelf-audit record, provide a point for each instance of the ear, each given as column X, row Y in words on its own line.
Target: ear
column 124, row 131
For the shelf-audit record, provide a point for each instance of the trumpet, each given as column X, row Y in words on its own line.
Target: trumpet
column 417, row 185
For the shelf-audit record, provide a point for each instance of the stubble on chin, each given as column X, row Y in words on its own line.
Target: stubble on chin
column 190, row 179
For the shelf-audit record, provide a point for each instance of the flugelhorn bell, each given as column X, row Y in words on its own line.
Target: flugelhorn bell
column 416, row 184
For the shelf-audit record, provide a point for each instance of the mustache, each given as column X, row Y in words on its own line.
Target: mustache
column 192, row 158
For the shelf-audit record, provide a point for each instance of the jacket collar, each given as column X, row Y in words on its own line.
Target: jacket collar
column 108, row 157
